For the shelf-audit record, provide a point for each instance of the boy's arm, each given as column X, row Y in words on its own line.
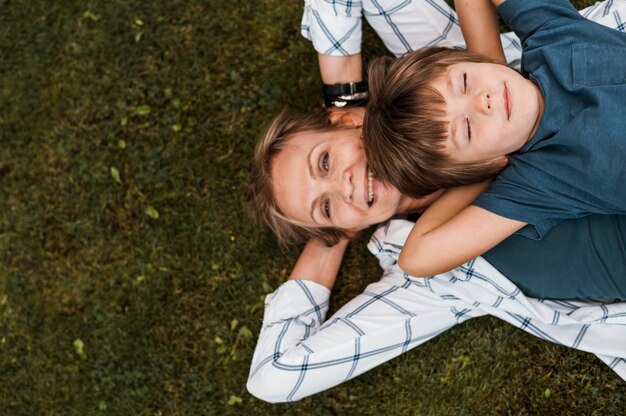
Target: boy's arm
column 479, row 24
column 452, row 232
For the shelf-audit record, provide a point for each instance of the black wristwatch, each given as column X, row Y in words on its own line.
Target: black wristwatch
column 352, row 94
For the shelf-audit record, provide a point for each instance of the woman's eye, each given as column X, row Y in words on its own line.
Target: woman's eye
column 465, row 83
column 324, row 162
column 326, row 209
column 469, row 129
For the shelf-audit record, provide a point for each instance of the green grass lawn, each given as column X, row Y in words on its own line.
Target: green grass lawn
column 131, row 279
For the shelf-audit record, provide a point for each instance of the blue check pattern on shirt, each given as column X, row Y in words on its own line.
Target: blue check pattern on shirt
column 334, row 26
column 299, row 354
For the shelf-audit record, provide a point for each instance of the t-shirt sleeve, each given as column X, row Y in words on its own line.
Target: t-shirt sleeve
column 511, row 196
column 526, row 17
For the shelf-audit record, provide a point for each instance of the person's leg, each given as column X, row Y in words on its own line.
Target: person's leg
column 404, row 26
column 610, row 13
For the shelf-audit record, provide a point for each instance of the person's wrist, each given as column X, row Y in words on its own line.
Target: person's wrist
column 351, row 94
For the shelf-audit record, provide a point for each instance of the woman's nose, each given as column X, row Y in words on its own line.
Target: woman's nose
column 343, row 186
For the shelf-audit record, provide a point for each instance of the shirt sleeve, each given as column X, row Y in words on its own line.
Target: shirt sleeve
column 298, row 354
column 516, row 200
column 333, row 27
column 526, row 17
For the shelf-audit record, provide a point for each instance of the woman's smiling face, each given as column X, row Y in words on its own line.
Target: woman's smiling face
column 322, row 180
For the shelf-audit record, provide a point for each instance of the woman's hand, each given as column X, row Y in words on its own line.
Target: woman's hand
column 319, row 263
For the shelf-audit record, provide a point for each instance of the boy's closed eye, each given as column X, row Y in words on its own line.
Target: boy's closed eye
column 467, row 122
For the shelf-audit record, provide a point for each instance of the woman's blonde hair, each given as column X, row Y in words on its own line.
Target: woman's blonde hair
column 404, row 128
column 260, row 192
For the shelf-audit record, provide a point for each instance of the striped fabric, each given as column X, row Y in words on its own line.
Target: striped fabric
column 299, row 353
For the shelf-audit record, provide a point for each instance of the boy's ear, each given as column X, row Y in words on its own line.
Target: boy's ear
column 347, row 117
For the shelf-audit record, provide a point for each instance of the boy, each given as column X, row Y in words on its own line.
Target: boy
column 438, row 120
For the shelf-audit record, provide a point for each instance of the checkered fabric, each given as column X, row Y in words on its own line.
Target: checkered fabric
column 334, row 26
column 299, row 353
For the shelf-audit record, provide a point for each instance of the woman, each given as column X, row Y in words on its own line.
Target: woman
column 315, row 182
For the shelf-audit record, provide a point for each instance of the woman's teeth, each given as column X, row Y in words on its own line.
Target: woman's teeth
column 370, row 188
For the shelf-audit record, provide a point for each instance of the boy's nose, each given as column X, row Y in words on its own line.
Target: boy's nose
column 485, row 102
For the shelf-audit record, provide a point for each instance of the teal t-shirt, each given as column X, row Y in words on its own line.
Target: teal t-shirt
column 579, row 259
column 575, row 164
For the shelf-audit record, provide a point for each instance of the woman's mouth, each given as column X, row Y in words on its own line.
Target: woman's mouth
column 371, row 182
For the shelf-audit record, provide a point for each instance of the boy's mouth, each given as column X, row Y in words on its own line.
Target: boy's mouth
column 507, row 102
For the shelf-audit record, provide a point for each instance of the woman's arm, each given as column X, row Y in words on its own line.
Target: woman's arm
column 340, row 69
column 294, row 358
column 342, row 80
column 452, row 232
column 319, row 263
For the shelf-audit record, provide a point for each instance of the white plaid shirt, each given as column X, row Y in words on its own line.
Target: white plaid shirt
column 334, row 26
column 299, row 353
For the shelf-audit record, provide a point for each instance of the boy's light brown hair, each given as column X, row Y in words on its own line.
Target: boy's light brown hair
column 260, row 191
column 404, row 127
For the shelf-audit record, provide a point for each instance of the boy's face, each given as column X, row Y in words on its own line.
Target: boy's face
column 492, row 110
